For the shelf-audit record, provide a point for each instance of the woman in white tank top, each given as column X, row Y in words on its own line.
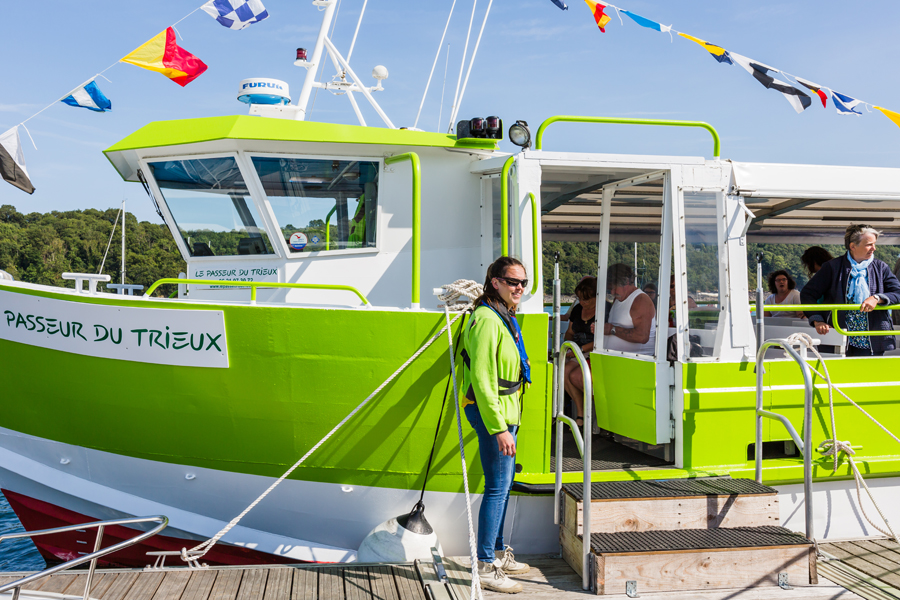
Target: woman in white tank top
column 631, row 326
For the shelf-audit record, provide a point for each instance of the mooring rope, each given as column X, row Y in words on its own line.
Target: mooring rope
column 834, row 447
column 200, row 550
column 476, row 581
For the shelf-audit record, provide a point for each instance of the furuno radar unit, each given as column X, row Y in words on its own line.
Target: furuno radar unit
column 259, row 90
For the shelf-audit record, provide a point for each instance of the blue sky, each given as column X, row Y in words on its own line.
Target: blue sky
column 535, row 61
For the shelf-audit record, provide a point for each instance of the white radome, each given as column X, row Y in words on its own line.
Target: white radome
column 380, row 72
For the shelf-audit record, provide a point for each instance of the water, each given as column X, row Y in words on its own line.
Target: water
column 16, row 555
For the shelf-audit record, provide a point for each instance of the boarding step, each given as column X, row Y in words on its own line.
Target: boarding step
column 636, row 562
column 698, row 503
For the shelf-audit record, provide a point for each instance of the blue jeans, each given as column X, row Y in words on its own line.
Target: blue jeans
column 499, row 472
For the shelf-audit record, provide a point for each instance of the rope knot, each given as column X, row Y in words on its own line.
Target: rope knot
column 832, row 448
column 800, row 338
column 460, row 295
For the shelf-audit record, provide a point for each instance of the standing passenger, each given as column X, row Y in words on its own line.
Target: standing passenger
column 856, row 278
column 813, row 259
column 494, row 377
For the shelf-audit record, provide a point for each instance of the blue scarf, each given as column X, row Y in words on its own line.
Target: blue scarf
column 858, row 288
column 516, row 332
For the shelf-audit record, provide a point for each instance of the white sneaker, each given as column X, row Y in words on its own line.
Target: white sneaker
column 493, row 578
column 508, row 562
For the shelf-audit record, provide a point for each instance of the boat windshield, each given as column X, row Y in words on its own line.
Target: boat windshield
column 211, row 206
column 321, row 204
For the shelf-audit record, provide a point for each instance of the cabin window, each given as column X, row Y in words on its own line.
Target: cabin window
column 322, row 204
column 633, row 265
column 702, row 266
column 212, row 207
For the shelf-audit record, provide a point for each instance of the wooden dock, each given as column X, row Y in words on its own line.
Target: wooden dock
column 333, row 582
column 871, row 567
column 549, row 579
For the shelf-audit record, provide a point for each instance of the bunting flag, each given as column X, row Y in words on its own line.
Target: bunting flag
column 12, row 161
column 816, row 88
column 845, row 104
column 799, row 100
column 163, row 55
column 597, row 10
column 236, row 14
column 718, row 53
column 895, row 117
column 560, row 4
column 645, row 22
column 90, row 97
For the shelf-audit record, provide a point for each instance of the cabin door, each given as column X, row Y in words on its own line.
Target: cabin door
column 633, row 382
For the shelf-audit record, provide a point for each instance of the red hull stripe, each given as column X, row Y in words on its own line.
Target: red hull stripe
column 36, row 514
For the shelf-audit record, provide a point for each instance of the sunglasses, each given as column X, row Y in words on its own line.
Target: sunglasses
column 514, row 282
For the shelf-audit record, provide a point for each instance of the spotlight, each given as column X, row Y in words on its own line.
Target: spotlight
column 520, row 135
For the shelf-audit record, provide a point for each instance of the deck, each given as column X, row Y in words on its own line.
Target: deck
column 549, row 579
column 870, row 567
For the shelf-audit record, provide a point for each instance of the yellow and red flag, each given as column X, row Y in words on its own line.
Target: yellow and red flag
column 599, row 16
column 163, row 55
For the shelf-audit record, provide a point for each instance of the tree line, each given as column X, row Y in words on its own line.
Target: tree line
column 40, row 247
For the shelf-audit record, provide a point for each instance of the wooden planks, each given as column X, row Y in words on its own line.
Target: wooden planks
column 338, row 582
column 879, row 559
column 609, row 516
column 701, row 570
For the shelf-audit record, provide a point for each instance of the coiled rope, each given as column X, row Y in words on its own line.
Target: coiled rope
column 834, row 447
column 457, row 289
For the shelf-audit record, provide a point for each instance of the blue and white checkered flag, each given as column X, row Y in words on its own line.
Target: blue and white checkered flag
column 236, row 14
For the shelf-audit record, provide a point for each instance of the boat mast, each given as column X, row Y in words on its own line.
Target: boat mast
column 310, row 79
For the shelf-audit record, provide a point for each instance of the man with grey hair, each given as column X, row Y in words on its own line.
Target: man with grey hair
column 856, row 277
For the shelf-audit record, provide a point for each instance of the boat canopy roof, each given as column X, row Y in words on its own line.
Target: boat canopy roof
column 164, row 134
column 800, row 203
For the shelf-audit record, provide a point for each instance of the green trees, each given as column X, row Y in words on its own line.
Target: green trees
column 38, row 248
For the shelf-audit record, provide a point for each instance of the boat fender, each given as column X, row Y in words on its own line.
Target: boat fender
column 401, row 539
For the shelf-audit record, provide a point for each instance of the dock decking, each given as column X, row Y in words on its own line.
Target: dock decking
column 550, row 579
column 869, row 567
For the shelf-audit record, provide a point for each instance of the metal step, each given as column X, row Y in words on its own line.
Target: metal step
column 720, row 538
column 670, row 488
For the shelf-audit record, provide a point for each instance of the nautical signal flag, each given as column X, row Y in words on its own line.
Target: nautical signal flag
column 645, row 22
column 12, row 161
column 599, row 16
column 816, row 88
column 163, row 54
column 845, row 105
column 236, row 14
column 890, row 115
column 718, row 53
column 90, row 97
column 799, row 100
column 560, row 4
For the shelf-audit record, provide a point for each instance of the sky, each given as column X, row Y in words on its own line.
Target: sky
column 534, row 61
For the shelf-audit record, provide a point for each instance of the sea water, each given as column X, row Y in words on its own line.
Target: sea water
column 19, row 554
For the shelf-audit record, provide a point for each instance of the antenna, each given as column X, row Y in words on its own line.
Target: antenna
column 340, row 85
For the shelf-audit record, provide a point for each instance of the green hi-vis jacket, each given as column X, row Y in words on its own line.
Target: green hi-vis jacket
column 493, row 356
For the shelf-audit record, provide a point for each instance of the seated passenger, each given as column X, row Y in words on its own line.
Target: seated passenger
column 650, row 290
column 581, row 322
column 632, row 320
column 782, row 287
column 857, row 277
column 814, row 258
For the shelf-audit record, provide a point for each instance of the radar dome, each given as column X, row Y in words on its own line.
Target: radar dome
column 259, row 90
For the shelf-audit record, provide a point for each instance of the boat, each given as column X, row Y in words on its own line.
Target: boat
column 313, row 251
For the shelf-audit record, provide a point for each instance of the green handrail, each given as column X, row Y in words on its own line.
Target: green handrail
column 253, row 285
column 328, row 227
column 834, row 308
column 619, row 121
column 413, row 158
column 504, row 206
column 536, row 254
